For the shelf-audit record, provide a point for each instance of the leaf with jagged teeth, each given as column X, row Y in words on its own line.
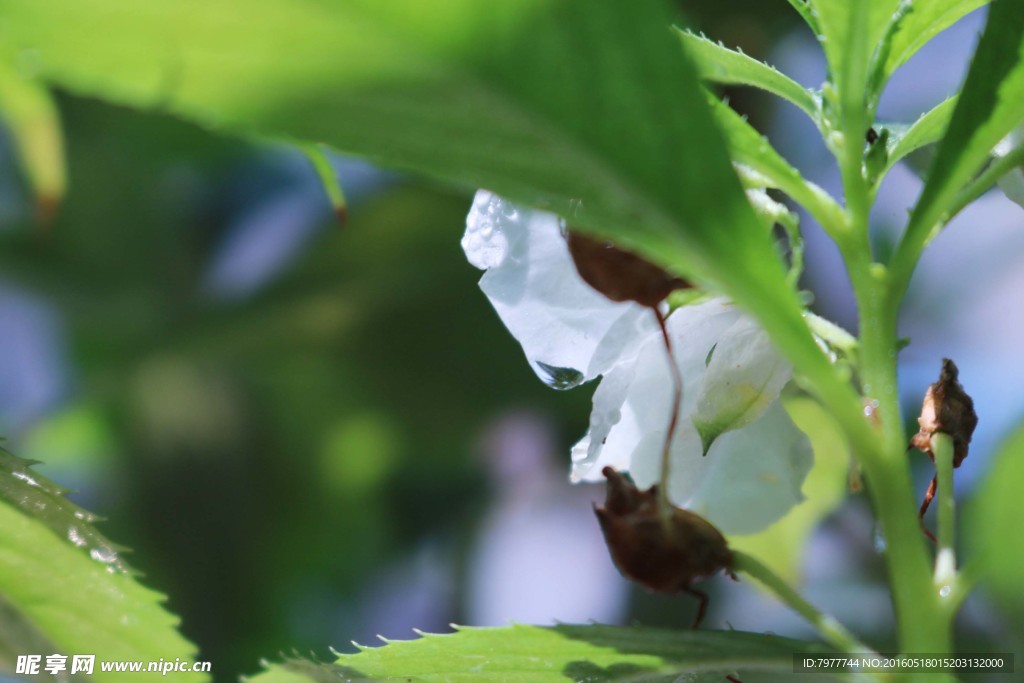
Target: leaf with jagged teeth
column 81, row 598
column 593, row 653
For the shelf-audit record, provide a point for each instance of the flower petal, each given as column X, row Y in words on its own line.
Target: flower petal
column 752, row 473
column 744, row 375
column 569, row 332
column 636, row 402
column 751, row 477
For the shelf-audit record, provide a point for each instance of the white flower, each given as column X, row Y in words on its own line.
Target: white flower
column 756, row 458
column 569, row 332
column 1012, row 184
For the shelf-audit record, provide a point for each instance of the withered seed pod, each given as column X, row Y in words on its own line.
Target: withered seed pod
column 644, row 552
column 618, row 274
column 947, row 409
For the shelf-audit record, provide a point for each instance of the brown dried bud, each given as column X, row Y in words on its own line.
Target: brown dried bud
column 618, row 274
column 643, row 550
column 948, row 409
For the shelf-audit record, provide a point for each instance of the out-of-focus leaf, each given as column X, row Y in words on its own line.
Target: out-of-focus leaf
column 779, row 546
column 587, row 109
column 990, row 105
column 996, row 504
column 61, row 581
column 926, row 130
column 31, row 117
column 718, row 64
column 925, row 20
column 533, row 654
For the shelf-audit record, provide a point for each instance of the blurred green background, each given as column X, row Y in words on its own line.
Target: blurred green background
column 268, row 439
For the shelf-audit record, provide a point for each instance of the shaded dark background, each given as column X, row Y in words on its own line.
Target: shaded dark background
column 292, row 423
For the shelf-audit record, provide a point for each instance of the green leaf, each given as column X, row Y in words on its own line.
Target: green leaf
column 534, row 654
column 804, row 10
column 748, row 147
column 557, row 105
column 925, row 20
column 995, row 504
column 718, row 64
column 64, row 588
column 850, row 32
column 780, row 545
column 587, row 108
column 990, row 105
column 928, row 129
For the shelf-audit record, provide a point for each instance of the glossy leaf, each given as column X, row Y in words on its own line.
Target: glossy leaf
column 566, row 108
column 533, row 654
column 718, row 64
column 80, row 599
column 587, row 109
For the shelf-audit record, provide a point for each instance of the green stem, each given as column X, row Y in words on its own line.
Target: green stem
column 945, row 560
column 830, row 629
column 922, row 625
column 833, row 334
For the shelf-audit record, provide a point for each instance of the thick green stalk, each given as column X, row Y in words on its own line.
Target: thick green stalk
column 922, row 625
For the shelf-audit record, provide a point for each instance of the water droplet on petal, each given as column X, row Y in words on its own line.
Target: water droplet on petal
column 485, row 241
column 559, row 378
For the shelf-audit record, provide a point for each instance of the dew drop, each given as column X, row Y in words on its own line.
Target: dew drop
column 945, row 591
column 76, row 537
column 25, row 477
column 103, row 554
